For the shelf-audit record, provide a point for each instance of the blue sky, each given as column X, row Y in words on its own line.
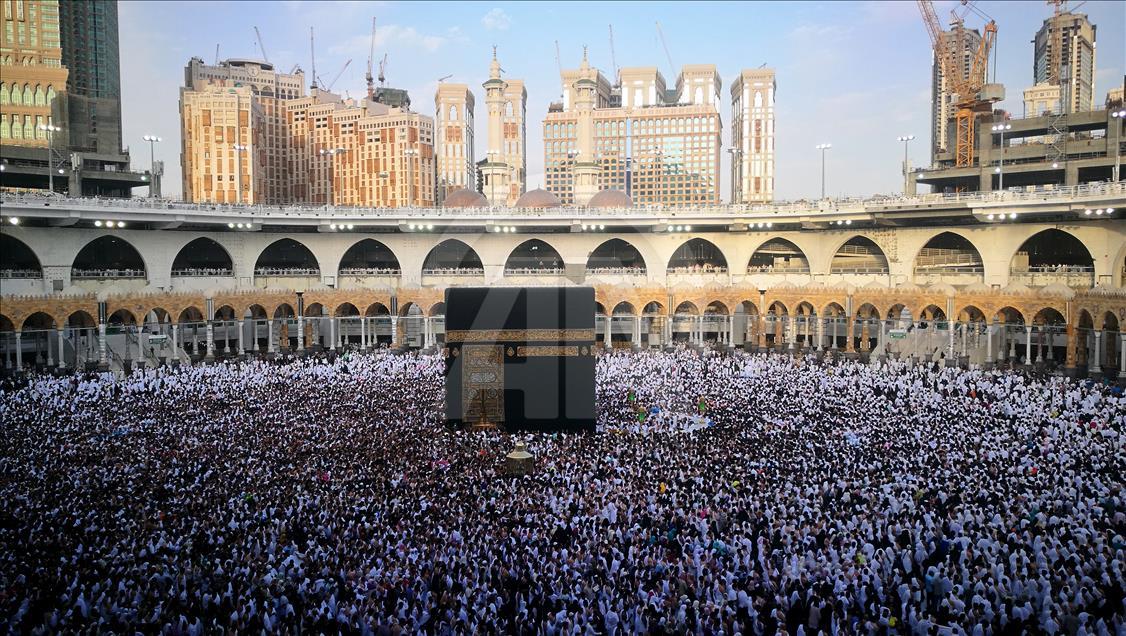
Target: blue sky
column 854, row 74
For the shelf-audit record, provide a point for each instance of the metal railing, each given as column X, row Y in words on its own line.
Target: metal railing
column 21, row 273
column 287, row 271
column 620, row 271
column 802, row 207
column 454, row 271
column 534, row 271
column 706, row 269
column 110, row 273
column 203, row 271
column 370, row 271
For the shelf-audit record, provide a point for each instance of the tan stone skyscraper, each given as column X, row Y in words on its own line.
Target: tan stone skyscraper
column 453, row 131
column 515, row 137
column 752, row 136
column 32, row 77
column 1072, row 68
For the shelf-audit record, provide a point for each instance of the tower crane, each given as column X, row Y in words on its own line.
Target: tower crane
column 970, row 100
column 328, row 87
column 371, row 55
column 383, row 70
column 313, row 56
column 261, row 47
column 559, row 66
column 661, row 35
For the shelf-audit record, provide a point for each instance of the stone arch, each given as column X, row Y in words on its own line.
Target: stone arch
column 190, row 314
column 203, row 257
column 948, row 252
column 452, row 254
column 1009, row 315
column 17, row 256
column 653, row 308
column 80, row 318
column 38, row 321
column 346, row 310
column 624, row 308
column 225, row 312
column 406, row 308
column 1051, row 251
column 1108, row 321
column 833, row 309
column 122, row 316
column 867, row 310
column 533, row 254
column 1048, row 316
column 369, row 256
column 717, row 307
column 6, row 324
column 778, row 255
column 377, row 309
column 314, row 310
column 697, row 254
column 107, row 253
column 437, row 309
column 778, row 307
column 934, row 311
column 859, row 255
column 284, row 310
column 284, row 256
column 687, row 307
column 970, row 313
column 256, row 312
column 616, row 254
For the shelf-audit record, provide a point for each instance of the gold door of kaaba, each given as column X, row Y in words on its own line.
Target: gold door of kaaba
column 482, row 383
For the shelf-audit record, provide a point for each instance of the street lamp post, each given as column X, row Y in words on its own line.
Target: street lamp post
column 1000, row 129
column 330, row 153
column 736, row 156
column 410, row 152
column 238, row 171
column 50, row 129
column 906, row 139
column 823, row 148
column 152, row 139
column 1119, row 115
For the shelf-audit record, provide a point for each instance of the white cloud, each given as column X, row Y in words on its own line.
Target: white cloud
column 497, row 20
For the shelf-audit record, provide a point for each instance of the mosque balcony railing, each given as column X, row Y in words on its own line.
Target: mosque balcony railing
column 534, row 271
column 860, row 270
column 287, row 271
column 778, row 269
column 105, row 273
column 1078, row 276
column 453, row 271
column 615, row 271
column 734, row 211
column 21, row 273
column 202, row 272
column 370, row 271
column 699, row 269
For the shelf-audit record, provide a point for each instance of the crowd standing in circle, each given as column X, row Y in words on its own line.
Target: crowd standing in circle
column 722, row 494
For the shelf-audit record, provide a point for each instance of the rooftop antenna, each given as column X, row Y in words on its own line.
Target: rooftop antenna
column 371, row 56
column 614, row 61
column 313, row 56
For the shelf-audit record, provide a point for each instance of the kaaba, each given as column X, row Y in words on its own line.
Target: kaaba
column 520, row 358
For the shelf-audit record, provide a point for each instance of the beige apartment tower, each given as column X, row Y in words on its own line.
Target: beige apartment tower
column 253, row 135
column 659, row 146
column 32, row 77
column 453, row 131
column 752, row 136
column 1072, row 68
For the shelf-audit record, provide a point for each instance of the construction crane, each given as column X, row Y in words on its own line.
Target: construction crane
column 970, row 100
column 661, row 35
column 313, row 57
column 444, row 78
column 383, row 70
column 559, row 65
column 328, row 87
column 371, row 55
column 216, row 55
column 261, row 47
column 614, row 60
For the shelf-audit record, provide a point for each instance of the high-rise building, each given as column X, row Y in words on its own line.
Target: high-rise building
column 752, row 136
column 251, row 134
column 964, row 42
column 504, row 171
column 1072, row 66
column 1042, row 99
column 232, row 117
column 90, row 54
column 453, row 131
column 359, row 153
column 659, row 146
column 33, row 77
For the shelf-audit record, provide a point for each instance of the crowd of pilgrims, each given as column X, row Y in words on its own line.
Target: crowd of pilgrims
column 721, row 494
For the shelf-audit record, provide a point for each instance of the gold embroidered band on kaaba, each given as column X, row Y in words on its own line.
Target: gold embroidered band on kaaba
column 519, row 335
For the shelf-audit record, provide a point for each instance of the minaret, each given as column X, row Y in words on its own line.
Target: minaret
column 495, row 171
column 586, row 167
